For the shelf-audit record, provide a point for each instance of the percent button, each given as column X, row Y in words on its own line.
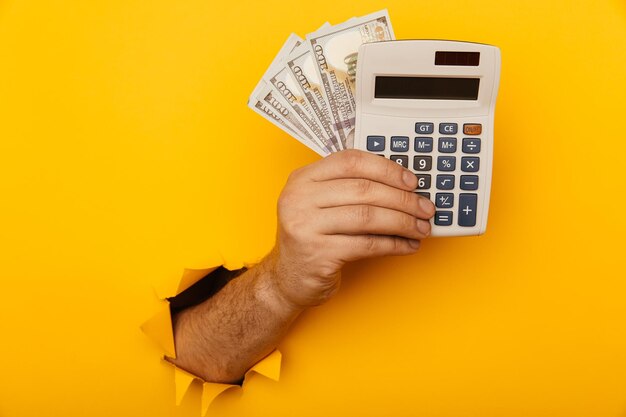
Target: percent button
column 446, row 163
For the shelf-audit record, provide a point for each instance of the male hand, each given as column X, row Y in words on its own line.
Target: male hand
column 349, row 206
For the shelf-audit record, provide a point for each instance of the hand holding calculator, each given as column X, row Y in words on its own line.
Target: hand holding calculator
column 429, row 106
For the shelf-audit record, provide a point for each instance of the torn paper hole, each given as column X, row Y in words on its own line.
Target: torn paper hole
column 159, row 329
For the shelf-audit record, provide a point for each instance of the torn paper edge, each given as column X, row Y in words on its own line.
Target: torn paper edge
column 159, row 328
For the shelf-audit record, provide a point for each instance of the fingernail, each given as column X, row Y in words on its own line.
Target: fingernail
column 414, row 243
column 427, row 205
column 423, row 226
column 409, row 179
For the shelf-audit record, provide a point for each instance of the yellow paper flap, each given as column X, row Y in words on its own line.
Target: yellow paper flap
column 269, row 366
column 210, row 391
column 159, row 329
column 182, row 382
column 191, row 276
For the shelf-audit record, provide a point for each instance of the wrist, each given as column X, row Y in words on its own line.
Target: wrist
column 270, row 289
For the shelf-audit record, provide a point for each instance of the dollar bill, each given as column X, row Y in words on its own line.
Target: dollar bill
column 302, row 67
column 334, row 50
column 284, row 83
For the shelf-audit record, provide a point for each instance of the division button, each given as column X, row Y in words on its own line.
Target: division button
column 400, row 160
column 399, row 143
column 443, row 218
column 444, row 200
column 445, row 182
column 470, row 164
column 424, row 128
column 471, row 145
column 446, row 163
column 423, row 145
column 469, row 182
column 448, row 128
column 375, row 143
column 422, row 163
column 472, row 129
column 447, row 145
column 467, row 209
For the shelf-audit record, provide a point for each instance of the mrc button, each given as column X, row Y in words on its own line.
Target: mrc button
column 375, row 143
column 399, row 143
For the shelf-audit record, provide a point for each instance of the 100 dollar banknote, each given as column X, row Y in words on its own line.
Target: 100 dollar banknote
column 335, row 53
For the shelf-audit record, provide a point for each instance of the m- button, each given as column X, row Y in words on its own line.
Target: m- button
column 472, row 129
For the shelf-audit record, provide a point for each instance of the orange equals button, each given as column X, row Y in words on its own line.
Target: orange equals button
column 472, row 128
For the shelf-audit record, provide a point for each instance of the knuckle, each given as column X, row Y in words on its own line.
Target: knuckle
column 408, row 200
column 352, row 160
column 363, row 187
column 363, row 214
column 369, row 244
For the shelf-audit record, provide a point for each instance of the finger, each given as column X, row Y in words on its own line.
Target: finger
column 363, row 219
column 352, row 191
column 353, row 163
column 353, row 248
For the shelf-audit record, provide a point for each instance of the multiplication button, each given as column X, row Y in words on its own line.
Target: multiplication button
column 467, row 209
column 375, row 143
column 399, row 143
column 470, row 164
column 443, row 218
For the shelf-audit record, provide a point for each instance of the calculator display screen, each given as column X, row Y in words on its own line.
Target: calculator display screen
column 426, row 88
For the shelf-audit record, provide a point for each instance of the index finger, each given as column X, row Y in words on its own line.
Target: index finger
column 353, row 163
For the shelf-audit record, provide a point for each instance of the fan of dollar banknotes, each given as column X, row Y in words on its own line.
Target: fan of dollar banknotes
column 309, row 88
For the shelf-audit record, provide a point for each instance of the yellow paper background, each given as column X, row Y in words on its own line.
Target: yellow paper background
column 127, row 154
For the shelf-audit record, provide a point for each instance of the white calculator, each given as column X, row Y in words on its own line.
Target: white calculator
column 429, row 106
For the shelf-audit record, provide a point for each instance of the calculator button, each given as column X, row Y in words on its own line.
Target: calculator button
column 448, row 128
column 400, row 160
column 423, row 145
column 375, row 143
column 443, row 218
column 471, row 145
column 422, row 163
column 472, row 129
column 445, row 182
column 470, row 163
column 423, row 181
column 399, row 143
column 446, row 163
column 424, row 128
column 467, row 209
column 424, row 194
column 447, row 145
column 444, row 200
column 469, row 182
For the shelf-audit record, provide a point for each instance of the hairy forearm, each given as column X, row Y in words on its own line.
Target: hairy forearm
column 221, row 338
